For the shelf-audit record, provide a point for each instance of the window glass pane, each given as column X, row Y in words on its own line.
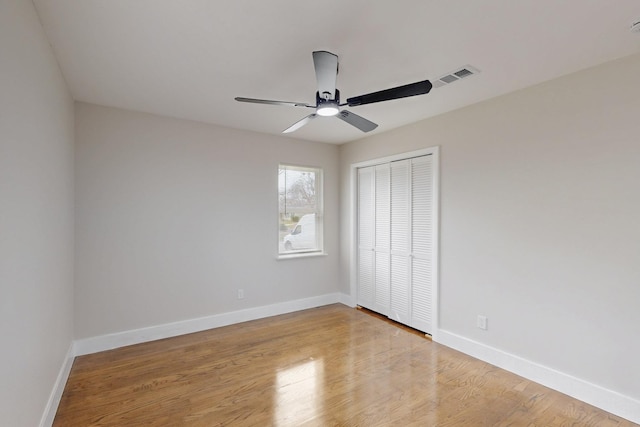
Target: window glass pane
column 300, row 205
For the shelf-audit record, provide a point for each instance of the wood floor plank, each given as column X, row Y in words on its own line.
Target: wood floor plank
column 329, row 366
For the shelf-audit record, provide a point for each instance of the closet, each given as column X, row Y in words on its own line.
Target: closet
column 395, row 239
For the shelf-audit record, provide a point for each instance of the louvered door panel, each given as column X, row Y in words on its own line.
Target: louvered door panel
column 366, row 199
column 366, row 237
column 421, row 295
column 421, row 206
column 366, row 283
column 383, row 207
column 382, row 283
column 400, row 206
column 421, row 242
column 400, row 302
column 382, row 238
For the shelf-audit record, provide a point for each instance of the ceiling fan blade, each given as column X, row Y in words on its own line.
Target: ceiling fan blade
column 297, row 125
column 266, row 101
column 326, row 65
column 418, row 88
column 355, row 120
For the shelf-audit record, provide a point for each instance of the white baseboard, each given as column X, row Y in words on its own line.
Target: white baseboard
column 137, row 336
column 608, row 400
column 56, row 394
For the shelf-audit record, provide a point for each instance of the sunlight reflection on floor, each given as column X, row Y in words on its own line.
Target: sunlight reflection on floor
column 299, row 393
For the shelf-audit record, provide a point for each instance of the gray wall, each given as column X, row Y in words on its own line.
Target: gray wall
column 540, row 220
column 173, row 217
column 36, row 216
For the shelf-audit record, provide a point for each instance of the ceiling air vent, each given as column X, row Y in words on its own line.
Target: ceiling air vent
column 454, row 76
column 463, row 73
column 449, row 78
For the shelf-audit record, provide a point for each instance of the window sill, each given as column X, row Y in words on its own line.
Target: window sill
column 300, row 255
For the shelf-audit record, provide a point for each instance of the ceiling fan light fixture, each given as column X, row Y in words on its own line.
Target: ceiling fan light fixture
column 328, row 109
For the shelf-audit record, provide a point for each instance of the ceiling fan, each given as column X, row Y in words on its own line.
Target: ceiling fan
column 328, row 97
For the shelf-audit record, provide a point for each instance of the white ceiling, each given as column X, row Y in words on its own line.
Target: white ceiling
column 190, row 58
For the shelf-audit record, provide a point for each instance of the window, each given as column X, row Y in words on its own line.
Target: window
column 300, row 206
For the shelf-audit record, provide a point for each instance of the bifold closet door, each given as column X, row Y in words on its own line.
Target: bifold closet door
column 396, row 240
column 373, row 238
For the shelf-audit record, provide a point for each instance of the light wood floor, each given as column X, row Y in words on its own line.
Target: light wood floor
column 330, row 366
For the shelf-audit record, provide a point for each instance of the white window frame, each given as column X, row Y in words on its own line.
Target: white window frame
column 318, row 211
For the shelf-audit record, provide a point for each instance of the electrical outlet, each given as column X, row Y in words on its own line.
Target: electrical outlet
column 240, row 293
column 482, row 322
